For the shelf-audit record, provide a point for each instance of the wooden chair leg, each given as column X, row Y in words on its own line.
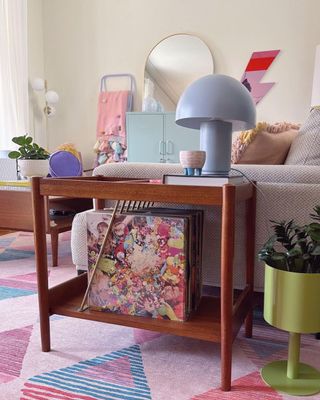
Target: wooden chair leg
column 248, row 323
column 54, row 246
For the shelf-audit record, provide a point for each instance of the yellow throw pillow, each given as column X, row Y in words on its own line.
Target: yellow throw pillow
column 265, row 144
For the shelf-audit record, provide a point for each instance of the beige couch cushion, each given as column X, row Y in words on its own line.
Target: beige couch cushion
column 305, row 149
column 265, row 144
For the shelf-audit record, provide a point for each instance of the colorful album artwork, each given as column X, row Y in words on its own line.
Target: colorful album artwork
column 143, row 270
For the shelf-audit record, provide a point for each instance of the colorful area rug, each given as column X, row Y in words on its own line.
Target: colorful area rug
column 91, row 361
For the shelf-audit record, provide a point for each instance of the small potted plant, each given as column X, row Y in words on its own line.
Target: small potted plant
column 292, row 299
column 33, row 160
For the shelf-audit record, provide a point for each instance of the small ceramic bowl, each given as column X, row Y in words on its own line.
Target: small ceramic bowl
column 192, row 161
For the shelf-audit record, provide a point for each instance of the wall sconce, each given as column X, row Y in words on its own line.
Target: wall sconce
column 51, row 97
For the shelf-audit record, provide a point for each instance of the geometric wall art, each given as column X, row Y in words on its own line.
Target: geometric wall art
column 257, row 66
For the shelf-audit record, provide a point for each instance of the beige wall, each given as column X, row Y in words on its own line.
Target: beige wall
column 84, row 39
column 37, row 123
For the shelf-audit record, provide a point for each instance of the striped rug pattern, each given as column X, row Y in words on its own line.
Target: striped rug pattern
column 16, row 246
column 18, row 285
column 13, row 346
column 258, row 391
column 118, row 375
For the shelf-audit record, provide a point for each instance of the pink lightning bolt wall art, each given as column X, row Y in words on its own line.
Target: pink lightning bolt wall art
column 257, row 66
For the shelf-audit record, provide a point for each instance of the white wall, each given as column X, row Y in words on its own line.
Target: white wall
column 37, row 123
column 84, row 39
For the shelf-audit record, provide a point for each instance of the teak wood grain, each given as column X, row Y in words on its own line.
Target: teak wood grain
column 217, row 319
column 16, row 214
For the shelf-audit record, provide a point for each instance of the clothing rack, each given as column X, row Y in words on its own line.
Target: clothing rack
column 103, row 85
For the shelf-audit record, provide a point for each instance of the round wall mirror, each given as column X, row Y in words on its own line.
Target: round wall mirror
column 170, row 67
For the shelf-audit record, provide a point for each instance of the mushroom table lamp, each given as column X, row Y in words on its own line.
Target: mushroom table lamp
column 217, row 105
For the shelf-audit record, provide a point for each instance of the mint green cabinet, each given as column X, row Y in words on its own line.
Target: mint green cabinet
column 155, row 137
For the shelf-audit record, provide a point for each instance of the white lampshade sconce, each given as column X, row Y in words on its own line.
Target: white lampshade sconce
column 51, row 97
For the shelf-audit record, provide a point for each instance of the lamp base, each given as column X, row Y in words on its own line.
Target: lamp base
column 307, row 383
column 215, row 140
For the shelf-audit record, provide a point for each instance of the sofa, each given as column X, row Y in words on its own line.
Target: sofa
column 283, row 192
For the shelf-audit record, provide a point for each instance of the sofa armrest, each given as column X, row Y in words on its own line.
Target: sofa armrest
column 309, row 174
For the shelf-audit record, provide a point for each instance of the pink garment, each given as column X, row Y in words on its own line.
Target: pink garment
column 112, row 107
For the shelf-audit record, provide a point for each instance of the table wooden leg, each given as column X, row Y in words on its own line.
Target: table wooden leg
column 227, row 254
column 250, row 256
column 41, row 262
column 54, row 246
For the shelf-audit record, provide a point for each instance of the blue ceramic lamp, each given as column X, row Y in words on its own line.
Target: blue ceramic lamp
column 217, row 105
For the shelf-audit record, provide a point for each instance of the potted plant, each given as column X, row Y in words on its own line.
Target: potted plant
column 291, row 299
column 33, row 160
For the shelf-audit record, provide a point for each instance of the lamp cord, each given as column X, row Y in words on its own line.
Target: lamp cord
column 264, row 198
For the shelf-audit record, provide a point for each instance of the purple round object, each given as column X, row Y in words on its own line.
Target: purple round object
column 64, row 163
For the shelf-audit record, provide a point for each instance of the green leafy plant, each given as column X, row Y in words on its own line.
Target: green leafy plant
column 28, row 150
column 294, row 248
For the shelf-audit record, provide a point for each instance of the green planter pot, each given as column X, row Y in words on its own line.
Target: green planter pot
column 292, row 303
column 292, row 300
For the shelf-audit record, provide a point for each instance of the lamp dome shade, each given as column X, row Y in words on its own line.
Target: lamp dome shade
column 38, row 84
column 52, row 97
column 216, row 98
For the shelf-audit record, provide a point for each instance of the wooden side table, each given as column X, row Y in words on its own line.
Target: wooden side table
column 218, row 319
column 16, row 214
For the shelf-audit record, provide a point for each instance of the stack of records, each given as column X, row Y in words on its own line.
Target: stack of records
column 151, row 264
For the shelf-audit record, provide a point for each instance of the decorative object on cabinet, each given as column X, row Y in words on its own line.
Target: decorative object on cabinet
column 257, row 66
column 171, row 65
column 150, row 104
column 51, row 97
column 66, row 161
column 291, row 300
column 32, row 159
column 155, row 137
column 192, row 161
column 217, row 105
column 111, row 145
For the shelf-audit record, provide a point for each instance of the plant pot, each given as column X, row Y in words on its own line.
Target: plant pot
column 291, row 303
column 291, row 300
column 29, row 168
column 192, row 161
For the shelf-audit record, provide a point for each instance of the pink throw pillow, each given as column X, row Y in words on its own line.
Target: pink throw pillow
column 265, row 144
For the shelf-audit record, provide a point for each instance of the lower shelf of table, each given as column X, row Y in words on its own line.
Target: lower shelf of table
column 204, row 324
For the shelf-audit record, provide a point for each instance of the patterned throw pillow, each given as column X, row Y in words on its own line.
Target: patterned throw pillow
column 305, row 149
column 265, row 144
